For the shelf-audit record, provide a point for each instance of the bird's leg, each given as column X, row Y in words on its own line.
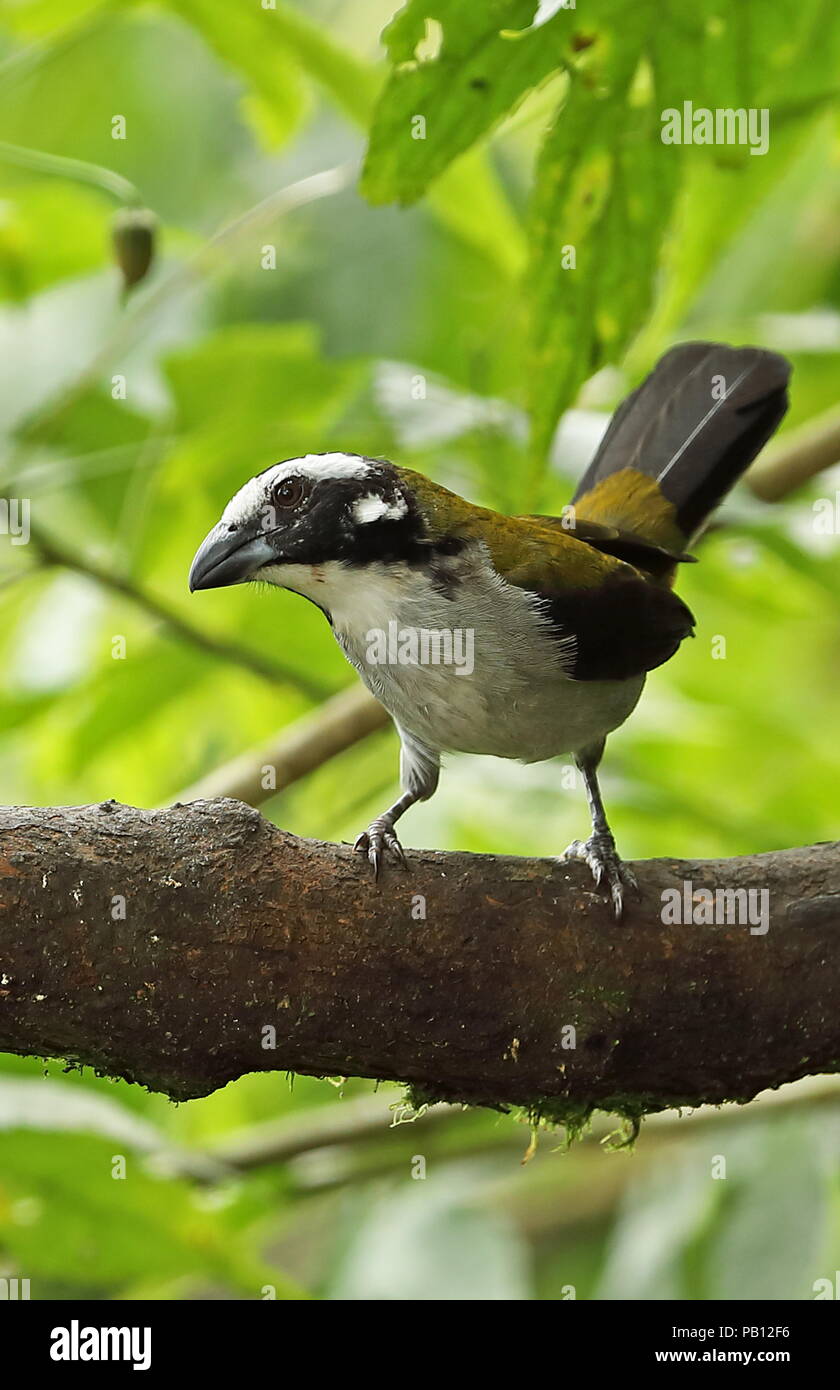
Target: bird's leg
column 379, row 839
column 419, row 771
column 599, row 851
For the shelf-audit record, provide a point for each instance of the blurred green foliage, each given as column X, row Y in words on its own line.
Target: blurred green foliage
column 534, row 138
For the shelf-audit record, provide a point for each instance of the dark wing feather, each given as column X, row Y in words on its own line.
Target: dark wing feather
column 622, row 623
column 626, row 626
column 623, row 544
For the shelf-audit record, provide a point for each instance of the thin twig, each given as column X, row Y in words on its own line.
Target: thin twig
column 341, row 722
column 349, row 1122
column 53, row 552
column 163, row 293
column 797, row 458
column 76, row 170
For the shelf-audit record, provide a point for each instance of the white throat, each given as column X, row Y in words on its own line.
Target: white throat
column 356, row 597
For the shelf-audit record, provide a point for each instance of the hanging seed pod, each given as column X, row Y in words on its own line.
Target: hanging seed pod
column 133, row 232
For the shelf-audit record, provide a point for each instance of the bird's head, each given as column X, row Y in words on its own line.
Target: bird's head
column 305, row 514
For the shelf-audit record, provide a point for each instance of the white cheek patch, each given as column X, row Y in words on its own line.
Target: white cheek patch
column 375, row 508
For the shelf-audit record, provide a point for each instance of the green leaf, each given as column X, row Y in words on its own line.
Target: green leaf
column 263, row 43
column 429, row 1243
column 66, row 1221
column 433, row 110
column 115, row 705
column 799, row 52
column 260, row 42
column 772, row 1242
column 664, row 1211
column 247, row 386
column 468, row 199
column 54, row 1105
column 242, row 37
column 48, row 232
column 605, row 187
column 41, row 18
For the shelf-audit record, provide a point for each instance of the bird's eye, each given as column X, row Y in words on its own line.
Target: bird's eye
column 288, row 492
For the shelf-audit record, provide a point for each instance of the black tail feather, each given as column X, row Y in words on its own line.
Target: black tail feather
column 695, row 424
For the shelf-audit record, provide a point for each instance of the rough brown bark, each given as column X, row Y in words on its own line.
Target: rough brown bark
column 233, row 926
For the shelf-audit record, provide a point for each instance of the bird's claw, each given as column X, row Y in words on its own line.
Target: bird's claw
column 601, row 856
column 379, row 841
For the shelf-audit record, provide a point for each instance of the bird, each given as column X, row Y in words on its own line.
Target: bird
column 524, row 637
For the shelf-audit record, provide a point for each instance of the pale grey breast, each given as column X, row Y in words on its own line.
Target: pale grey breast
column 503, row 690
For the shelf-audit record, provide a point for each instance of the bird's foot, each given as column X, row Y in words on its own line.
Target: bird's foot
column 600, row 854
column 378, row 842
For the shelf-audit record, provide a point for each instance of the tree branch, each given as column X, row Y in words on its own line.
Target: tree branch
column 796, row 458
column 175, row 947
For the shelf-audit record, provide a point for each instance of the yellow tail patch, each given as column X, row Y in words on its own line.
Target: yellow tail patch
column 633, row 501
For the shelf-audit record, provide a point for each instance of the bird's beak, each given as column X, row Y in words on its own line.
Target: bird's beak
column 228, row 557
